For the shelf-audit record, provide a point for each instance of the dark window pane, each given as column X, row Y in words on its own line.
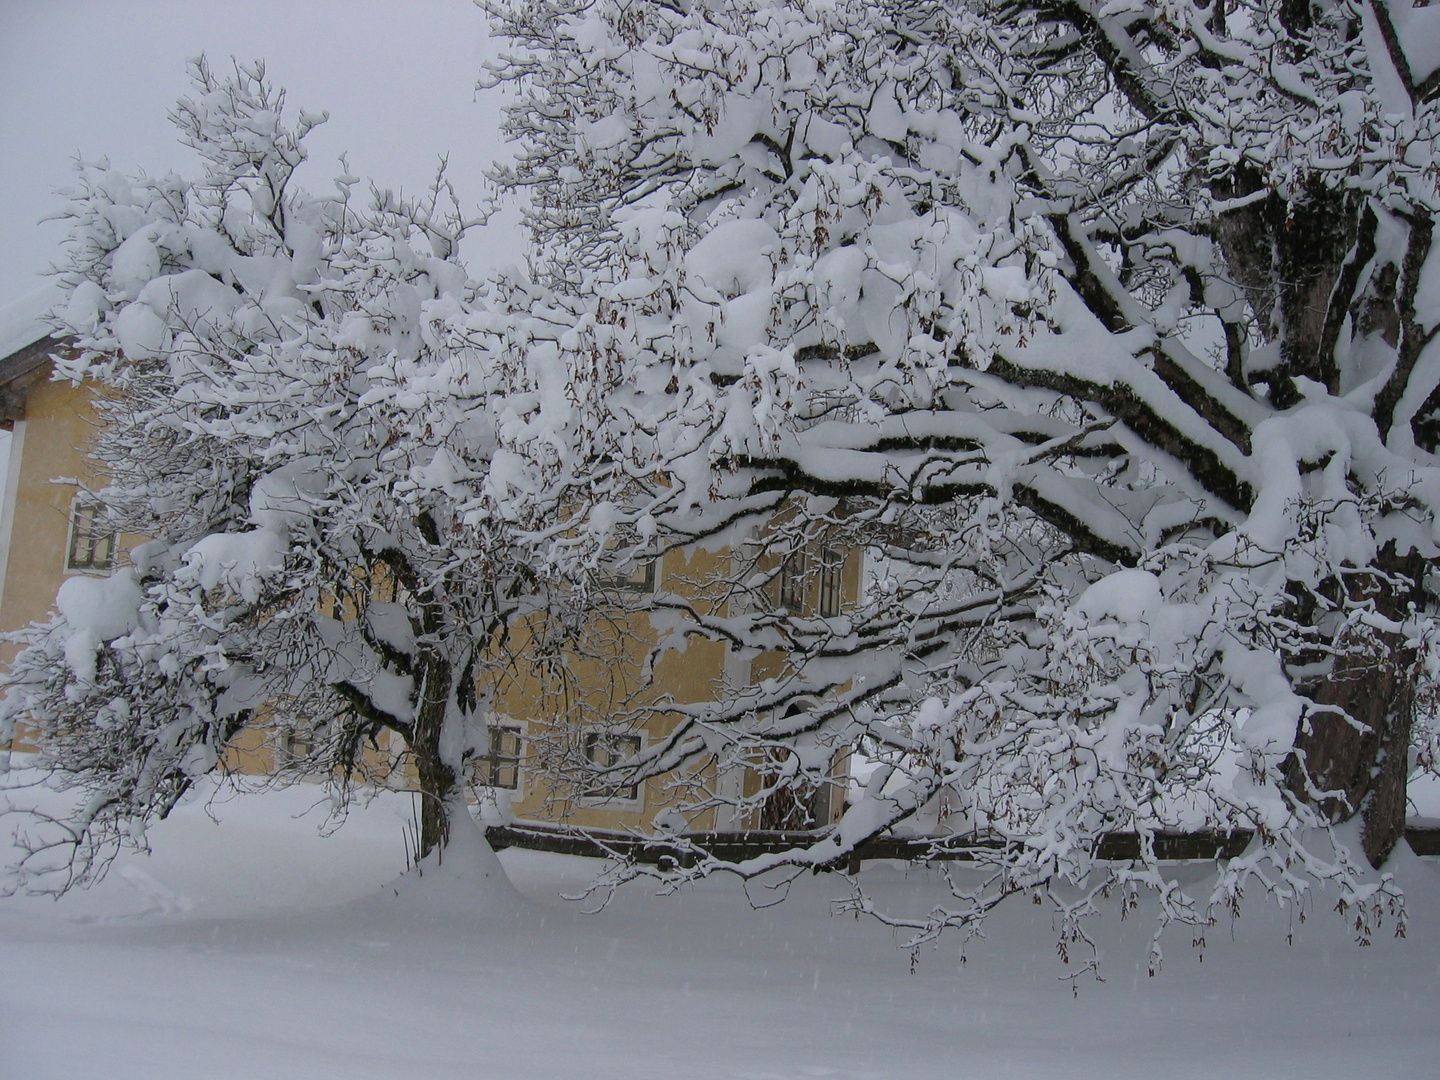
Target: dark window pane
column 792, row 583
column 832, row 563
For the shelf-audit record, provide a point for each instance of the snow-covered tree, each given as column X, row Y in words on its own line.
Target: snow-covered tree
column 1107, row 329
column 306, row 574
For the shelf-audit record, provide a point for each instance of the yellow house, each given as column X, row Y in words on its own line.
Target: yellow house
column 49, row 531
column 605, row 677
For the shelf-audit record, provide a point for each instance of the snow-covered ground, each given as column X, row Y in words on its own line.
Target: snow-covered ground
column 257, row 948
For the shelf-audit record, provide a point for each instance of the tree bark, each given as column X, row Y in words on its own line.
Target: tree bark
column 1289, row 256
column 1302, row 263
column 437, row 779
column 1357, row 752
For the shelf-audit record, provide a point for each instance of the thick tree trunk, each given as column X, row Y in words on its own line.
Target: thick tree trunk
column 1302, row 263
column 1358, row 754
column 1289, row 256
column 1358, row 757
column 437, row 779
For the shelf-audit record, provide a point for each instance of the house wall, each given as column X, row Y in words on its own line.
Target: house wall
column 599, row 683
column 599, row 680
column 50, row 443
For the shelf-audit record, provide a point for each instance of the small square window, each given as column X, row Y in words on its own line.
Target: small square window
column 296, row 747
column 92, row 540
column 604, row 750
column 636, row 577
column 500, row 768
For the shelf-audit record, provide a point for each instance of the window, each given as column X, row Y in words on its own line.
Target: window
column 637, row 577
column 792, row 583
column 500, row 768
column 604, row 750
column 803, row 803
column 296, row 746
column 92, row 541
column 832, row 564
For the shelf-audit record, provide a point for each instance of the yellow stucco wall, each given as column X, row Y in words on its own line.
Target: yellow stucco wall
column 600, row 684
column 599, row 681
column 59, row 424
column 57, row 429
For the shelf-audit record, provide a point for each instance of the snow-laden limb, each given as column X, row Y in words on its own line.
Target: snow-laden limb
column 1106, row 330
column 307, row 576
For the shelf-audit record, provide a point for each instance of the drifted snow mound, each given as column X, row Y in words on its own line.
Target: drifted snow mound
column 463, row 883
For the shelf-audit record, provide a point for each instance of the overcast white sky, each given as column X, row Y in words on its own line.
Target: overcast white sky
column 97, row 78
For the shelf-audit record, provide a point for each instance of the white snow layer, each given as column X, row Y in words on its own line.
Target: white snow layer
column 224, row 955
column 97, row 610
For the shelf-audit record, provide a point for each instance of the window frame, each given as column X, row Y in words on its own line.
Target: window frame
column 83, row 529
column 296, row 750
column 597, row 797
column 639, row 580
column 494, row 760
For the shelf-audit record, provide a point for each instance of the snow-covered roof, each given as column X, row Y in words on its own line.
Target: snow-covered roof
column 22, row 321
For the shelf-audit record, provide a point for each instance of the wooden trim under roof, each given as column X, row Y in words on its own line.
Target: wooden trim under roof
column 18, row 371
